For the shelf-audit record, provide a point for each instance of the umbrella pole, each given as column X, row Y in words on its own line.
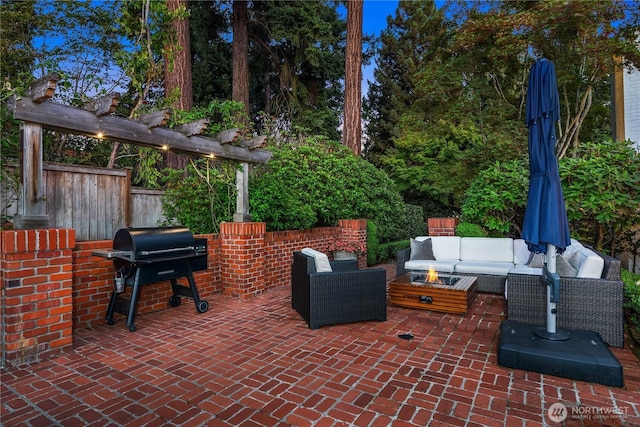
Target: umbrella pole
column 553, row 296
column 551, row 306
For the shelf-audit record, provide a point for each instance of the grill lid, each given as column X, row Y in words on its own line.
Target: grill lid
column 153, row 245
column 142, row 243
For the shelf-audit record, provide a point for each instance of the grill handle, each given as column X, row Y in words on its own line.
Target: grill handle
column 167, row 251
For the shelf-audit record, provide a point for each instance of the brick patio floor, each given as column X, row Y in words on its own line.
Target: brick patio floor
column 256, row 363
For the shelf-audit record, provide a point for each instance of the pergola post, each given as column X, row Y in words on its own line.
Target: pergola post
column 242, row 198
column 31, row 203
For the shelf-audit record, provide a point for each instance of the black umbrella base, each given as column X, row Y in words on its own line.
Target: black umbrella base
column 582, row 356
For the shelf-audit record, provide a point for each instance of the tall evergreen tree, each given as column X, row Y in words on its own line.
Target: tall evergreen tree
column 16, row 34
column 467, row 98
column 211, row 56
column 352, row 125
column 305, row 42
column 240, row 83
column 177, row 69
column 416, row 35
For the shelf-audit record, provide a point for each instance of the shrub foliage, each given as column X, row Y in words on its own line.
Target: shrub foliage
column 632, row 301
column 316, row 183
column 497, row 198
column 601, row 187
column 201, row 198
column 307, row 184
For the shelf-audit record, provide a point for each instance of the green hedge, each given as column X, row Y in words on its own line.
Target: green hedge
column 316, row 183
column 632, row 300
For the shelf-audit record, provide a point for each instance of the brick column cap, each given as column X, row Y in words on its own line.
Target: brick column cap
column 242, row 228
column 44, row 239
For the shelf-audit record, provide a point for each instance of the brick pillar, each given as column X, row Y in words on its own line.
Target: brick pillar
column 355, row 230
column 242, row 255
column 442, row 226
column 37, row 304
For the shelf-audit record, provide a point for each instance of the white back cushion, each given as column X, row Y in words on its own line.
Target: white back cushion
column 444, row 247
column 486, row 249
column 321, row 259
column 521, row 252
column 590, row 265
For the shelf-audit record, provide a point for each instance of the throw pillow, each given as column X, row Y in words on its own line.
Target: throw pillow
column 421, row 249
column 536, row 260
column 321, row 260
column 573, row 258
column 564, row 268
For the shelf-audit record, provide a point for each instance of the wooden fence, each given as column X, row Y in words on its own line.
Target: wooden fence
column 96, row 202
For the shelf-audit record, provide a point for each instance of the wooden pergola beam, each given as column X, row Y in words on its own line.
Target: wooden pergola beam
column 64, row 118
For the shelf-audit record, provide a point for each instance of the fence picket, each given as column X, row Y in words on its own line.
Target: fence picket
column 93, row 201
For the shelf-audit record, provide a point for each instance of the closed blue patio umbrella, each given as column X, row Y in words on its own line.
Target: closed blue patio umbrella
column 575, row 354
column 545, row 228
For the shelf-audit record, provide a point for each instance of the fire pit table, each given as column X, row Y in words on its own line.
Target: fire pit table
column 448, row 293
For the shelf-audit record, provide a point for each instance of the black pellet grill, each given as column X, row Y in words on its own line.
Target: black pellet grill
column 148, row 255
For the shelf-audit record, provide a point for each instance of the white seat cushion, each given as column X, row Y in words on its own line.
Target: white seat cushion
column 321, row 260
column 442, row 266
column 484, row 267
column 524, row 269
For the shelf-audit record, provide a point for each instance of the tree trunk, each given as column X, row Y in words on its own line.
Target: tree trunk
column 240, row 85
column 569, row 137
column 267, row 93
column 352, row 125
column 177, row 73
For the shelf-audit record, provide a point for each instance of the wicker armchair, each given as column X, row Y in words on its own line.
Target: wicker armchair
column 344, row 295
column 586, row 304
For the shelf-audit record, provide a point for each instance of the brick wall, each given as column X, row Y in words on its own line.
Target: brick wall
column 279, row 248
column 355, row 230
column 37, row 303
column 242, row 258
column 93, row 279
column 442, row 226
column 52, row 284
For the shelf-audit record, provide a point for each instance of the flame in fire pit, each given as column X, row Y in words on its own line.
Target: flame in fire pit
column 431, row 276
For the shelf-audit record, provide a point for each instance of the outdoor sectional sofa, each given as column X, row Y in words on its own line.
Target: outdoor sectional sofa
column 591, row 292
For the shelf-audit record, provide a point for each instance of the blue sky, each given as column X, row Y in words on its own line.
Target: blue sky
column 374, row 20
column 375, row 14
